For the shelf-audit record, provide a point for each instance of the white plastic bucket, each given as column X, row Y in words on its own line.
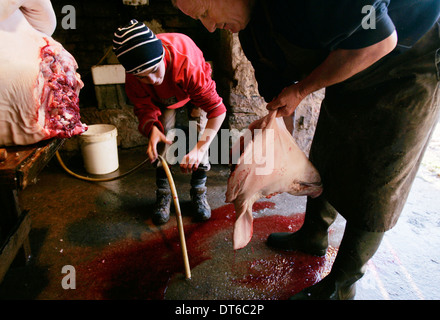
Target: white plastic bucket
column 99, row 148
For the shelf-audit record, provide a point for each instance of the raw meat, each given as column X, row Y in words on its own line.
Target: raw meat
column 271, row 163
column 59, row 97
column 39, row 85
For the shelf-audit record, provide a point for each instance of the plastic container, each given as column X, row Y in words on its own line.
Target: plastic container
column 99, row 148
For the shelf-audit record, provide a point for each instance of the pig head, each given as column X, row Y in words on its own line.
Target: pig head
column 271, row 163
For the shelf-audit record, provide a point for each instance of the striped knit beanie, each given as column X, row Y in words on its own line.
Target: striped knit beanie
column 137, row 47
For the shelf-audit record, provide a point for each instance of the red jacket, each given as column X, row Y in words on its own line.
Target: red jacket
column 187, row 78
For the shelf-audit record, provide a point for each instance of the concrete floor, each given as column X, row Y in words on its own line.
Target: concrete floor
column 103, row 231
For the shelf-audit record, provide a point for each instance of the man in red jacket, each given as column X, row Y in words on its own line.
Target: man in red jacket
column 163, row 73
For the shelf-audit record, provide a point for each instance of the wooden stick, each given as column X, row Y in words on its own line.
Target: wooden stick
column 179, row 218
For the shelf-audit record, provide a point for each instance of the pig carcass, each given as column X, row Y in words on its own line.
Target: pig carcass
column 270, row 163
column 39, row 85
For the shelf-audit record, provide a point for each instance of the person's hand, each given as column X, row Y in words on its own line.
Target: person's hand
column 287, row 101
column 156, row 136
column 191, row 161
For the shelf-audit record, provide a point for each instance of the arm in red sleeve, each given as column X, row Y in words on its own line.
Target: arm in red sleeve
column 202, row 90
column 147, row 113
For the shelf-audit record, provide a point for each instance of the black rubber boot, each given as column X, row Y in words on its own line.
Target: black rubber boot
column 312, row 238
column 199, row 202
column 356, row 249
column 161, row 212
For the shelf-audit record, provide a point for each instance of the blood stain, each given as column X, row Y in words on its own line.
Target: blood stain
column 142, row 269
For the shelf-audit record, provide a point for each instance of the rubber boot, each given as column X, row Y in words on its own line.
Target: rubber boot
column 161, row 212
column 356, row 249
column 312, row 237
column 200, row 206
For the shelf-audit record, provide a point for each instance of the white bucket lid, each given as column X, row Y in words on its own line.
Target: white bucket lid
column 99, row 132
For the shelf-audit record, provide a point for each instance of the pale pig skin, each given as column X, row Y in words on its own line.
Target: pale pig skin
column 39, row 85
column 271, row 163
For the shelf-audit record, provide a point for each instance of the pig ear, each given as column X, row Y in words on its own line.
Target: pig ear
column 243, row 228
